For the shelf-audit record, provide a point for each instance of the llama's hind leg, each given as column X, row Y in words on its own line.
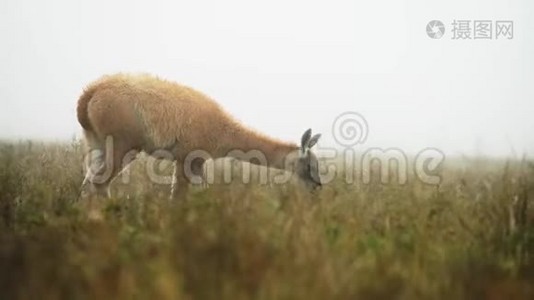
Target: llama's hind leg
column 103, row 168
column 96, row 169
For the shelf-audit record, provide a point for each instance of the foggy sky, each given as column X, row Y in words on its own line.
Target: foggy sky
column 282, row 66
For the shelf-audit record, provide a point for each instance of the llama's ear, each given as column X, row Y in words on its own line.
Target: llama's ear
column 305, row 140
column 313, row 140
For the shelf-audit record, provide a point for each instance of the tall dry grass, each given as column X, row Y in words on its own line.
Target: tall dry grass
column 471, row 237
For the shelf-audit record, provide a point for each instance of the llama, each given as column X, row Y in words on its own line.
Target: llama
column 145, row 113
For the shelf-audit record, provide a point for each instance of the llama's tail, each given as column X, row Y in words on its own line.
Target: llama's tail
column 82, row 109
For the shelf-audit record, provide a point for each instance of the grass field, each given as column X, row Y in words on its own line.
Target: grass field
column 471, row 237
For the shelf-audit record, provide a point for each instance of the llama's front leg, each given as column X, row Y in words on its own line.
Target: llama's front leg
column 174, row 182
column 179, row 184
column 192, row 173
column 198, row 174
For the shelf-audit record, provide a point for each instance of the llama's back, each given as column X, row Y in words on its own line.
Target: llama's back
column 152, row 112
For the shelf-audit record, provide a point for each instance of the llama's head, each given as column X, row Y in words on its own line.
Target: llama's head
column 307, row 167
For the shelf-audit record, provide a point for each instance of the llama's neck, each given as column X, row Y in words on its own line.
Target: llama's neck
column 247, row 145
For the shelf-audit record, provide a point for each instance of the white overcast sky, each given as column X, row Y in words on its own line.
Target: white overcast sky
column 283, row 66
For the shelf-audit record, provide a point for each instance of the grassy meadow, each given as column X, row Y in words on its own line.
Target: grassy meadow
column 471, row 237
